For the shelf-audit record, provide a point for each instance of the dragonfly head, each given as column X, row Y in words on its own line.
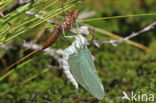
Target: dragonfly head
column 75, row 14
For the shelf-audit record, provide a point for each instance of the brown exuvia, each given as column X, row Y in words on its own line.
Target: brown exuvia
column 65, row 24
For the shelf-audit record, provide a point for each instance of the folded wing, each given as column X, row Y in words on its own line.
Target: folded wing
column 84, row 71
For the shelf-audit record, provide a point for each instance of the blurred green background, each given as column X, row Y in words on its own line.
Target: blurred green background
column 122, row 68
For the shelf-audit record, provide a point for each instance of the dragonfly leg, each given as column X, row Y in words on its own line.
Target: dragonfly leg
column 77, row 26
column 67, row 37
column 93, row 36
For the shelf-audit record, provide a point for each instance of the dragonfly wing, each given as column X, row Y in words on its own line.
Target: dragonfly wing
column 84, row 71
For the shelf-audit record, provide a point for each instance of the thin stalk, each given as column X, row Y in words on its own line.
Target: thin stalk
column 117, row 17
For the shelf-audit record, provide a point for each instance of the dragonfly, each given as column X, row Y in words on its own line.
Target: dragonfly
column 78, row 59
column 82, row 68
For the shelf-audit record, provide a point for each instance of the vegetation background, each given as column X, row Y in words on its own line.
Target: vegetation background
column 122, row 68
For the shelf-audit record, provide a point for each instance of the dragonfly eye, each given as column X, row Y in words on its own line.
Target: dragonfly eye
column 84, row 30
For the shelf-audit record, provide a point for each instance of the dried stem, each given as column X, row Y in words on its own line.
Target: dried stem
column 36, row 49
column 149, row 27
